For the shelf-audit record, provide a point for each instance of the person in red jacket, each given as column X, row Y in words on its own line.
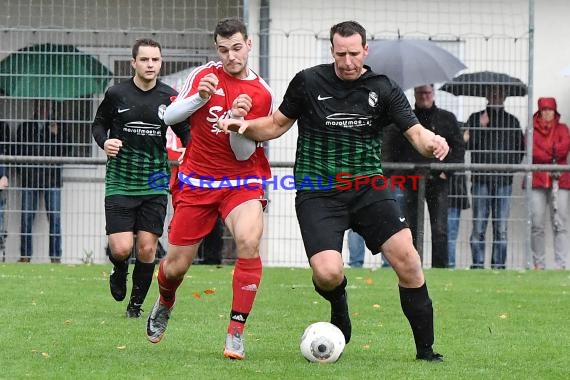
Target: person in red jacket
column 550, row 145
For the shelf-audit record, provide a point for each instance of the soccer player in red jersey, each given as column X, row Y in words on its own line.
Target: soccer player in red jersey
column 210, row 181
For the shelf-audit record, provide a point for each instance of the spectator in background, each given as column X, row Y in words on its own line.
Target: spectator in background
column 445, row 124
column 41, row 137
column 4, row 141
column 550, row 145
column 356, row 249
column 495, row 137
column 458, row 201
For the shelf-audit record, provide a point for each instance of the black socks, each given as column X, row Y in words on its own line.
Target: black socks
column 339, row 308
column 417, row 307
column 122, row 266
column 337, row 296
column 142, row 278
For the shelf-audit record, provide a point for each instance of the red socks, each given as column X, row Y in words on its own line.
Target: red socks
column 167, row 288
column 247, row 276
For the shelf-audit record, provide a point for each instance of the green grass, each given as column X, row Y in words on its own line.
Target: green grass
column 60, row 322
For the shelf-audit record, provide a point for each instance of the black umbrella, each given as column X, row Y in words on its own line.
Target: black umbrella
column 480, row 83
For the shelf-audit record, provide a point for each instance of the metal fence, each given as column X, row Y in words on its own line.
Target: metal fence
column 287, row 36
column 83, row 221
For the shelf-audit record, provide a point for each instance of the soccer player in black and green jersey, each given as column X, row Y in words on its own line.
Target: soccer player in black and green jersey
column 341, row 110
column 129, row 127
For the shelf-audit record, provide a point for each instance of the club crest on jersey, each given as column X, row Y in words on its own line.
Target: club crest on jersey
column 372, row 99
column 161, row 110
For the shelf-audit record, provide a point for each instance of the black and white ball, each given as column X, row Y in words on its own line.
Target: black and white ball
column 322, row 342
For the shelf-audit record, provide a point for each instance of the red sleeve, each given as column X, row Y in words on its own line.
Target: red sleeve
column 190, row 86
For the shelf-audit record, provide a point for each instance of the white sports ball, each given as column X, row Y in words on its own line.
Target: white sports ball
column 322, row 342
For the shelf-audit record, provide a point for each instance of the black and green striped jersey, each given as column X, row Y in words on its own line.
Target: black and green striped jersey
column 135, row 117
column 340, row 123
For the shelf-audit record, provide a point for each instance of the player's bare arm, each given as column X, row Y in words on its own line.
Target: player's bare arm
column 260, row 129
column 426, row 142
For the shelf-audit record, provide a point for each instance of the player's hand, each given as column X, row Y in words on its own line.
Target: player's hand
column 438, row 146
column 181, row 157
column 207, row 86
column 112, row 147
column 233, row 125
column 241, row 106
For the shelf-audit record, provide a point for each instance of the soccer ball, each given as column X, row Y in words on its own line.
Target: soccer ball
column 322, row 342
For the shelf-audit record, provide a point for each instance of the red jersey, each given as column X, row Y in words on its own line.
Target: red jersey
column 208, row 153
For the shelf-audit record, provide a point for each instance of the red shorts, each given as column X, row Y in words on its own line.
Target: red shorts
column 196, row 210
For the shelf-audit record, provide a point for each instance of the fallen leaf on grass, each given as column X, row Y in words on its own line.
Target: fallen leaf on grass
column 503, row 316
column 196, row 295
column 369, row 281
column 210, row 291
column 67, row 322
column 121, row 347
column 376, row 306
column 44, row 354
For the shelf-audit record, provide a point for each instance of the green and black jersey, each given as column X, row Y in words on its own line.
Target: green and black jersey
column 135, row 117
column 340, row 123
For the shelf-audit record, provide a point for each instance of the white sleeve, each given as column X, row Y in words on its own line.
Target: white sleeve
column 180, row 110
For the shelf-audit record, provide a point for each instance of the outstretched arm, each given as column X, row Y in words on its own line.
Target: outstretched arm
column 260, row 129
column 426, row 142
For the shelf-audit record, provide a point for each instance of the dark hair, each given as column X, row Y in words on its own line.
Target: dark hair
column 347, row 29
column 45, row 105
column 227, row 27
column 144, row 42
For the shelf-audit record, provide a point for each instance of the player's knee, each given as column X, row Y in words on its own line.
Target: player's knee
column 175, row 267
column 407, row 264
column 121, row 251
column 328, row 277
column 146, row 252
column 247, row 246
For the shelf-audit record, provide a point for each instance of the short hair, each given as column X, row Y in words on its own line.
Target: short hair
column 347, row 29
column 144, row 42
column 424, row 85
column 227, row 27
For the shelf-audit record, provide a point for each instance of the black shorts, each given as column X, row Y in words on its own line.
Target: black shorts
column 135, row 213
column 324, row 216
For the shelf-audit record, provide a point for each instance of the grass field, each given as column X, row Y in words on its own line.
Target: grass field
column 60, row 322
